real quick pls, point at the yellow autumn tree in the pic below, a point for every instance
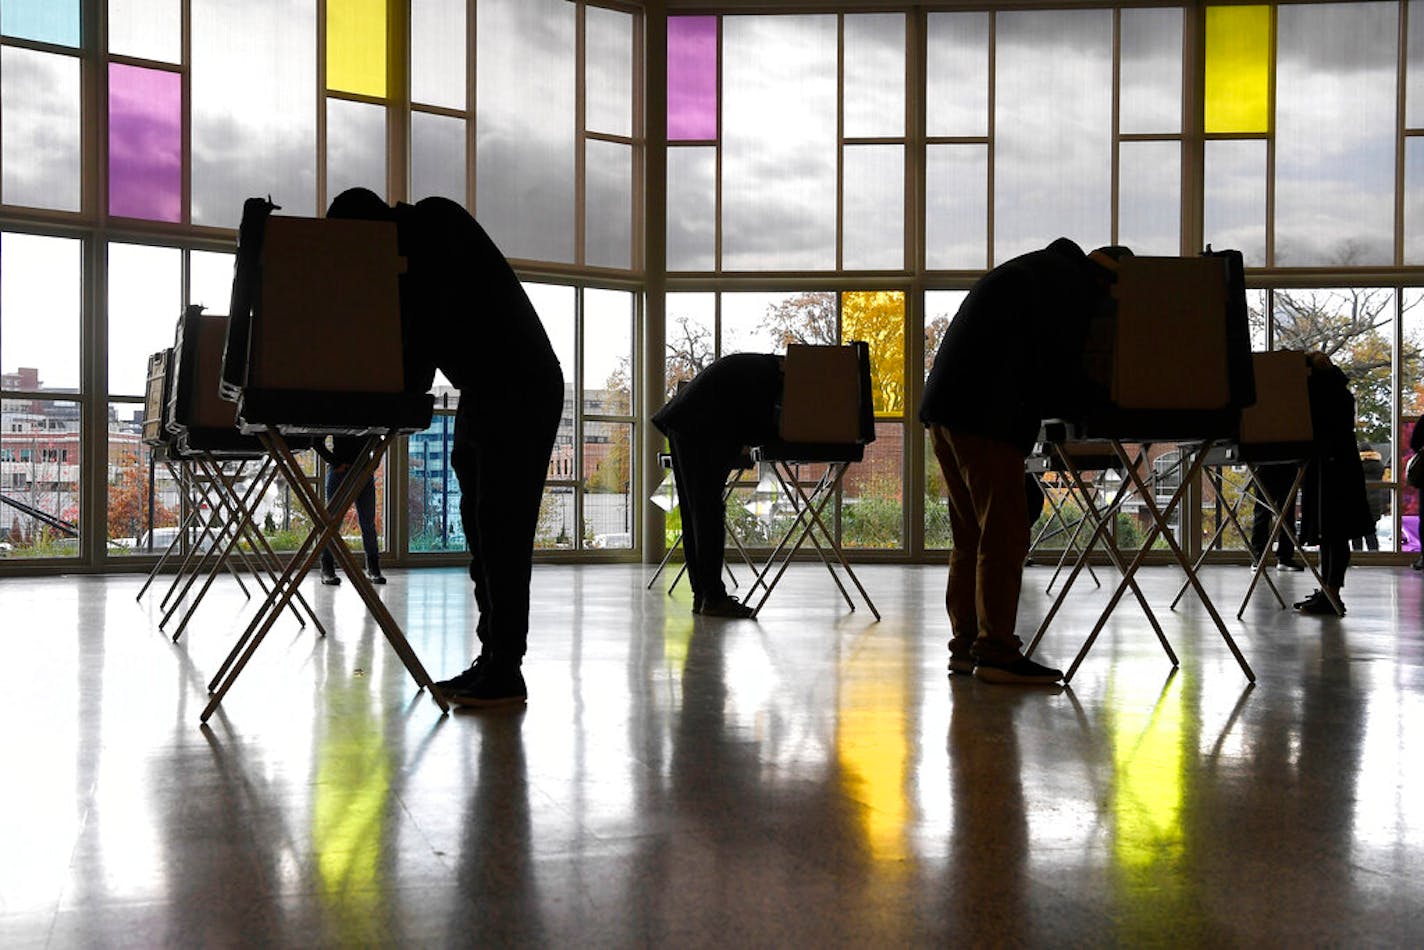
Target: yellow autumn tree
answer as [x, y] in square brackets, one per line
[878, 318]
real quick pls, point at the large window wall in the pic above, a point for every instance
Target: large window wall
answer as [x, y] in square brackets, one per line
[832, 172]
[916, 148]
[131, 131]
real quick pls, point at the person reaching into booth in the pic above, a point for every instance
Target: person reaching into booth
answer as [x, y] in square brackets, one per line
[1010, 358]
[464, 311]
[1335, 507]
[709, 424]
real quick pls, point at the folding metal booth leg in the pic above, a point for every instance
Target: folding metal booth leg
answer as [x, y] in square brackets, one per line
[1160, 526]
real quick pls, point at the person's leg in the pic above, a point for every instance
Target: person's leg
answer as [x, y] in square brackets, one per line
[467, 474]
[366, 518]
[993, 474]
[960, 595]
[1278, 482]
[328, 559]
[701, 470]
[1372, 539]
[513, 464]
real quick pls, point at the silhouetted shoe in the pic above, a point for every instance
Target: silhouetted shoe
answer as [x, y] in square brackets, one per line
[330, 579]
[1289, 564]
[961, 663]
[1418, 564]
[488, 686]
[1020, 671]
[376, 577]
[729, 607]
[1320, 605]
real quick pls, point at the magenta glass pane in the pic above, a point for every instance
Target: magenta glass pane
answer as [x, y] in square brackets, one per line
[145, 143]
[692, 78]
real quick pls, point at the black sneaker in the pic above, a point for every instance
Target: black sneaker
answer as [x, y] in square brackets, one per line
[464, 679]
[1289, 564]
[330, 579]
[376, 577]
[961, 663]
[729, 607]
[1319, 605]
[1418, 564]
[491, 687]
[1019, 671]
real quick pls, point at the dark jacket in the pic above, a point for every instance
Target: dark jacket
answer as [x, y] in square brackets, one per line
[1335, 505]
[463, 309]
[733, 400]
[1013, 353]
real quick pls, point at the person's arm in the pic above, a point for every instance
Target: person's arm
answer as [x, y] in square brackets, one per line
[327, 455]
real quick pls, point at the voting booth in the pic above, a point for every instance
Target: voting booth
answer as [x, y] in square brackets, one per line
[825, 420]
[1172, 364]
[316, 347]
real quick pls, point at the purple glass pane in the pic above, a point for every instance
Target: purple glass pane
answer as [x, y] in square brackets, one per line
[145, 143]
[692, 78]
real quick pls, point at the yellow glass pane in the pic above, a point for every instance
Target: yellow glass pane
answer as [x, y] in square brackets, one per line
[356, 46]
[1238, 64]
[878, 318]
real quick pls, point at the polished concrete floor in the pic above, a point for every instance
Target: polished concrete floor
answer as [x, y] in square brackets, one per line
[811, 779]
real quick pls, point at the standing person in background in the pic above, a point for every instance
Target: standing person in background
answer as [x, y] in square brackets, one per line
[1373, 464]
[343, 452]
[1011, 357]
[1416, 445]
[1335, 507]
[1275, 480]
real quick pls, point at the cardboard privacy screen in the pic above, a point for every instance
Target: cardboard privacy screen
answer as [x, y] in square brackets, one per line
[1171, 344]
[329, 315]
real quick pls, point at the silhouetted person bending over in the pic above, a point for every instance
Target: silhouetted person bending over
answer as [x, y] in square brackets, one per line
[1011, 357]
[709, 424]
[463, 311]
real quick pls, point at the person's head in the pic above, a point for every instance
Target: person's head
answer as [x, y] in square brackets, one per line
[360, 203]
[1105, 261]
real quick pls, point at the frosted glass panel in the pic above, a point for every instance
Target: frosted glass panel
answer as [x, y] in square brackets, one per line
[608, 58]
[1235, 198]
[145, 296]
[437, 52]
[1149, 197]
[691, 207]
[46, 21]
[40, 290]
[257, 136]
[524, 159]
[874, 221]
[356, 46]
[39, 129]
[607, 351]
[437, 157]
[1053, 143]
[145, 143]
[957, 74]
[1335, 134]
[1414, 200]
[875, 75]
[956, 207]
[1238, 64]
[608, 218]
[210, 280]
[1150, 99]
[692, 78]
[1414, 74]
[355, 147]
[149, 29]
[779, 143]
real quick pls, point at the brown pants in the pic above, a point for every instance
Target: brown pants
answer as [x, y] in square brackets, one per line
[988, 516]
